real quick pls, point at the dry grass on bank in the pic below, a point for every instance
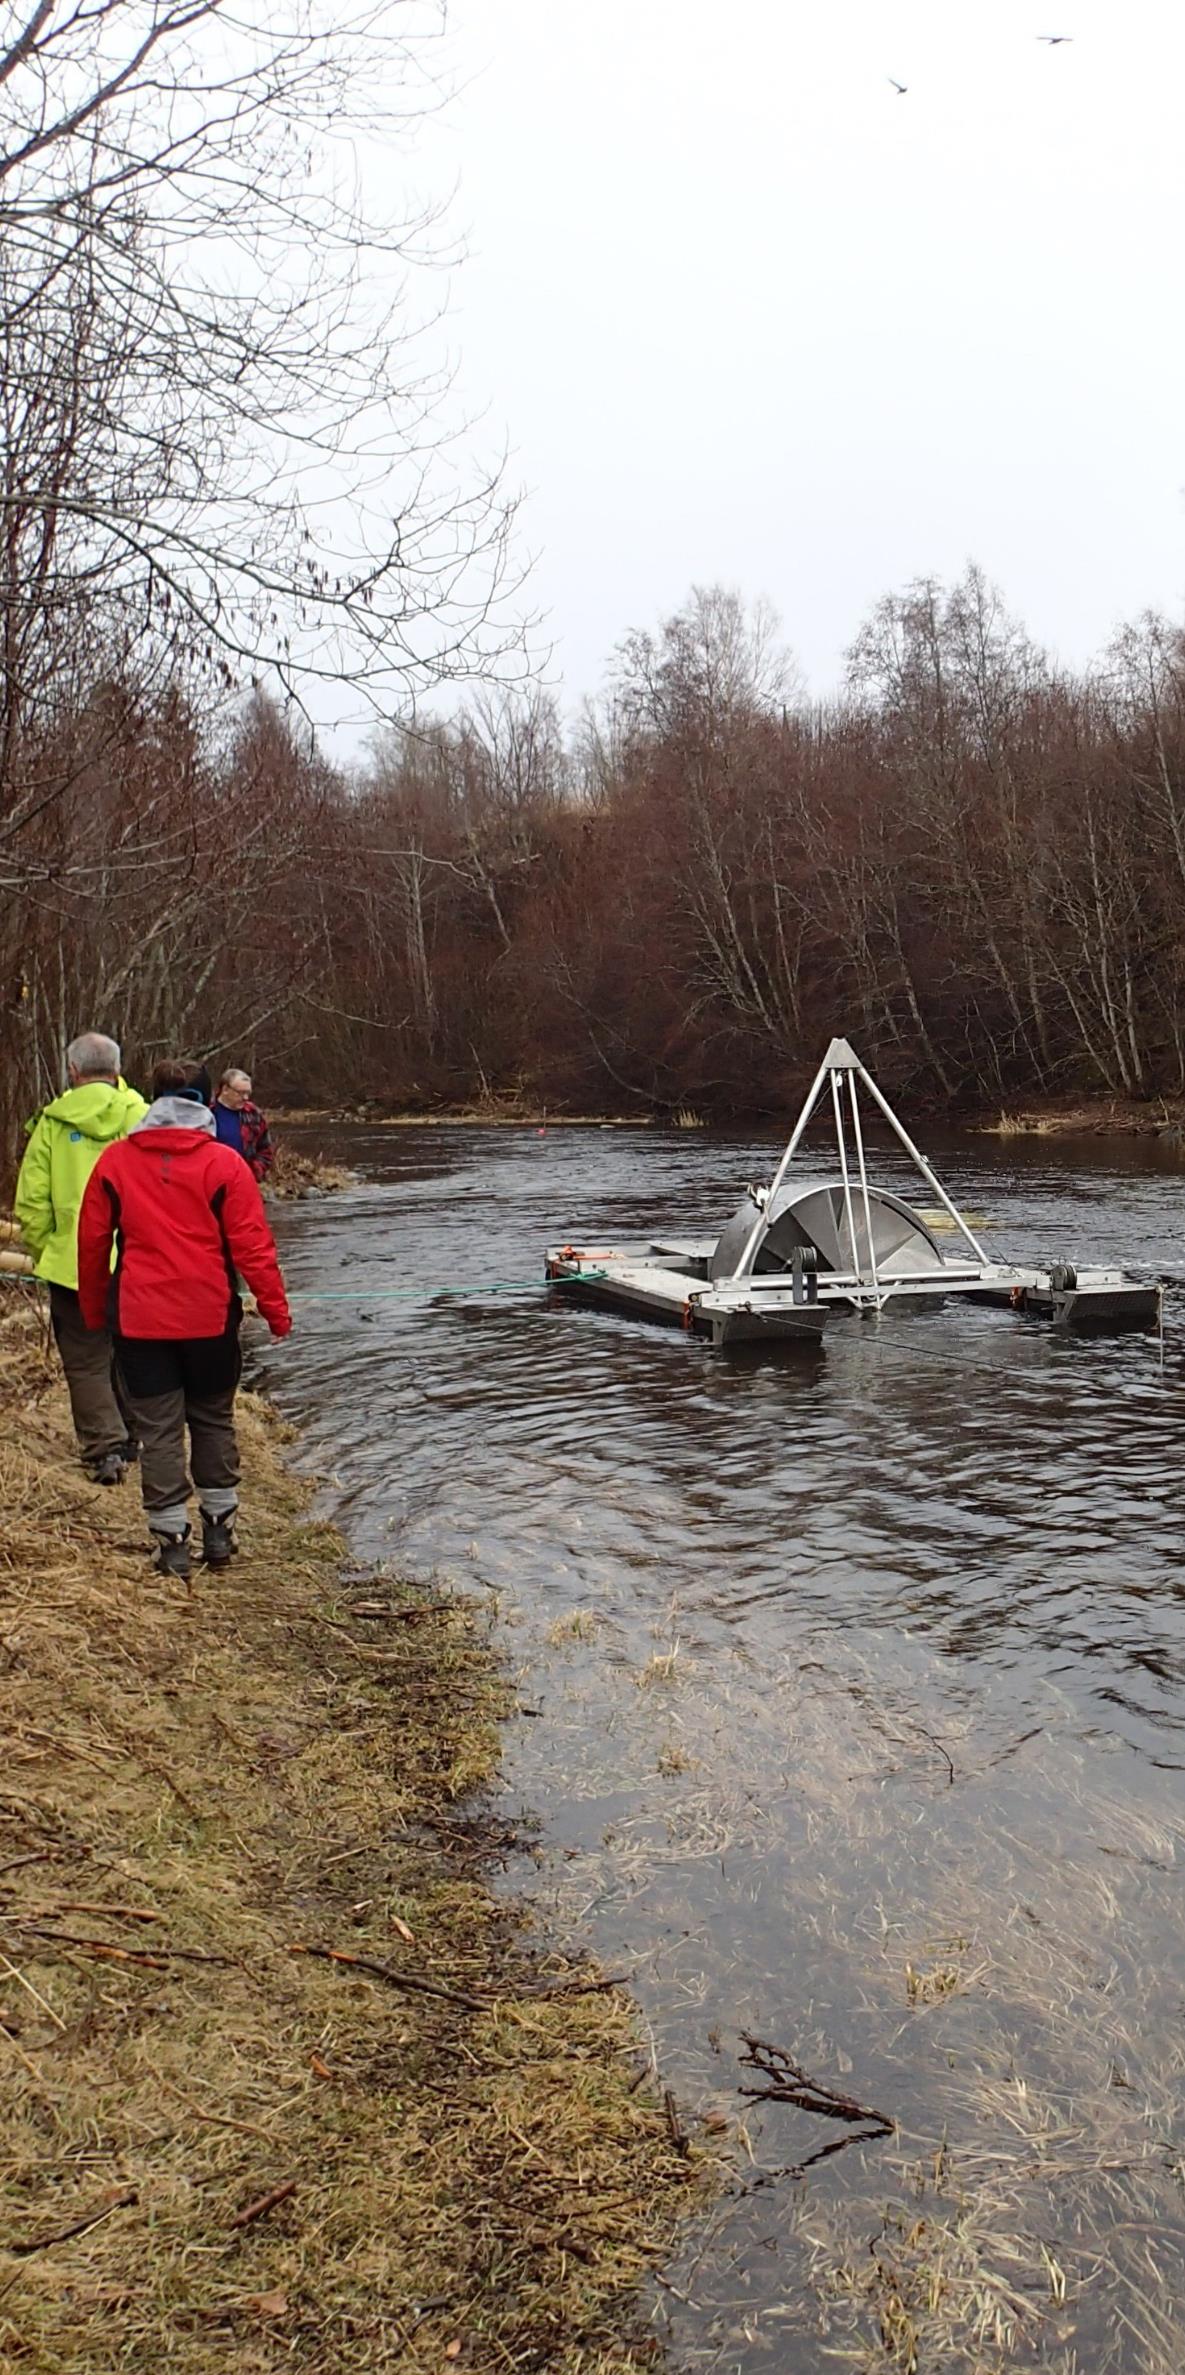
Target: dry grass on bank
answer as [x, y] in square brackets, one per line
[1111, 1117]
[499, 1113]
[294, 1176]
[216, 2148]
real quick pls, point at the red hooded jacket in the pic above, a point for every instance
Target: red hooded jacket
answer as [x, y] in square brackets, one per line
[184, 1214]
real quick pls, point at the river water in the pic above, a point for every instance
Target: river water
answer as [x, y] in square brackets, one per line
[854, 1715]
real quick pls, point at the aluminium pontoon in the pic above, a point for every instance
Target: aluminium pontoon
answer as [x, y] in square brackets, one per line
[805, 1246]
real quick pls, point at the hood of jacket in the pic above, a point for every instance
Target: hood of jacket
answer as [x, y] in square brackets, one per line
[176, 1113]
[98, 1109]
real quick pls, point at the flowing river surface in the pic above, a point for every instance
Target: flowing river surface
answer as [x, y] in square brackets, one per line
[854, 1715]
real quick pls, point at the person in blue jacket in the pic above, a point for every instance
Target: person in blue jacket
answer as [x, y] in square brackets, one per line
[240, 1124]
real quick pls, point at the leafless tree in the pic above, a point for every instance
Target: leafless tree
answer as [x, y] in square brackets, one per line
[225, 459]
[249, 456]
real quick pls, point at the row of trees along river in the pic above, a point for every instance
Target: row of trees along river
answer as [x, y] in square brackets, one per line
[971, 859]
[974, 862]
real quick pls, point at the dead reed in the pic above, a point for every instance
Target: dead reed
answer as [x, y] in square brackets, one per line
[295, 1176]
[990, 1917]
[283, 2086]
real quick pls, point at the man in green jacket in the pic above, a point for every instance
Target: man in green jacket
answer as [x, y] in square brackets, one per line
[65, 1143]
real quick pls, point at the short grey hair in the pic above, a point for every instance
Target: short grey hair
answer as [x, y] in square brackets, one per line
[92, 1055]
[233, 1073]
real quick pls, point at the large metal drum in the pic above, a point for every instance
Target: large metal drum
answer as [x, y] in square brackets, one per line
[813, 1213]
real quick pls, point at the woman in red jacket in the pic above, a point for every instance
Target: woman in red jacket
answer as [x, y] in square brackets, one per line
[185, 1217]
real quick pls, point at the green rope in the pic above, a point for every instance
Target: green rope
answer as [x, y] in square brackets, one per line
[386, 1294]
[398, 1294]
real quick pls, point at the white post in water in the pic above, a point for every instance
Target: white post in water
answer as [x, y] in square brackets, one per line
[859, 1136]
[841, 1143]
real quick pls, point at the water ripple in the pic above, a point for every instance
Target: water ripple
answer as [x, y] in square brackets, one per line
[840, 1655]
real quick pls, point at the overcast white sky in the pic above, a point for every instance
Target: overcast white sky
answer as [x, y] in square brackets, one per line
[745, 314]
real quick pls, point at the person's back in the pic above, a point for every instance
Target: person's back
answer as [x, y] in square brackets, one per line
[65, 1143]
[175, 1197]
[66, 1140]
[185, 1216]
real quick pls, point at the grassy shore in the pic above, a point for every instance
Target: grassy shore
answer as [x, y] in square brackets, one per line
[1100, 1117]
[295, 1176]
[1097, 1117]
[504, 1116]
[283, 2085]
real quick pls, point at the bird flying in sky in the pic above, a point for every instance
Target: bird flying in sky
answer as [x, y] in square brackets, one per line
[900, 87]
[1055, 40]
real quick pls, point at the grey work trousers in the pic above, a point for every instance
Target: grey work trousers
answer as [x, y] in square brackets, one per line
[173, 1384]
[101, 1421]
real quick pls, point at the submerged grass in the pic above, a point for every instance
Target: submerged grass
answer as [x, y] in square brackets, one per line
[992, 1960]
[283, 2085]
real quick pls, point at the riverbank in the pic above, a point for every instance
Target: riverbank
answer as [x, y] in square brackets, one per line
[283, 2083]
[492, 1117]
[1111, 1117]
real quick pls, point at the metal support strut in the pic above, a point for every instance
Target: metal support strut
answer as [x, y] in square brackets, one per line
[841, 1060]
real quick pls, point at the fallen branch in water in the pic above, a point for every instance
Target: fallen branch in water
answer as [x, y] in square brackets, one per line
[675, 2128]
[943, 1751]
[795, 2171]
[787, 2082]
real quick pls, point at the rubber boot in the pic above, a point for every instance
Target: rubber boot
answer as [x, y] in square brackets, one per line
[172, 1555]
[218, 1539]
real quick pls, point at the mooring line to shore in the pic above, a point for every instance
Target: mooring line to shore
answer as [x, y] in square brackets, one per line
[442, 1291]
[385, 1294]
[432, 1287]
[431, 1293]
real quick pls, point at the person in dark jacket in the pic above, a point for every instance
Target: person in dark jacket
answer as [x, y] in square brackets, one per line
[239, 1123]
[185, 1217]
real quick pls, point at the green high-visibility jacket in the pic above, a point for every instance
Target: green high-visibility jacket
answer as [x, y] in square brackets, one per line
[65, 1143]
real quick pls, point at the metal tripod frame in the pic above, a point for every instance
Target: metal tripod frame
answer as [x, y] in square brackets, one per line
[841, 1067]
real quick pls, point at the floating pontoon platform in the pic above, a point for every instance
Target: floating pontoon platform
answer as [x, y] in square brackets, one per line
[803, 1247]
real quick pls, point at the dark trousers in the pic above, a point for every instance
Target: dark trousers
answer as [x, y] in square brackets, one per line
[101, 1422]
[175, 1384]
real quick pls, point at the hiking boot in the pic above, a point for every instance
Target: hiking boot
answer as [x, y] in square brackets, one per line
[172, 1555]
[129, 1452]
[111, 1469]
[218, 1540]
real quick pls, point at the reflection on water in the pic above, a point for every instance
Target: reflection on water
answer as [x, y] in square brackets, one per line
[862, 1721]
